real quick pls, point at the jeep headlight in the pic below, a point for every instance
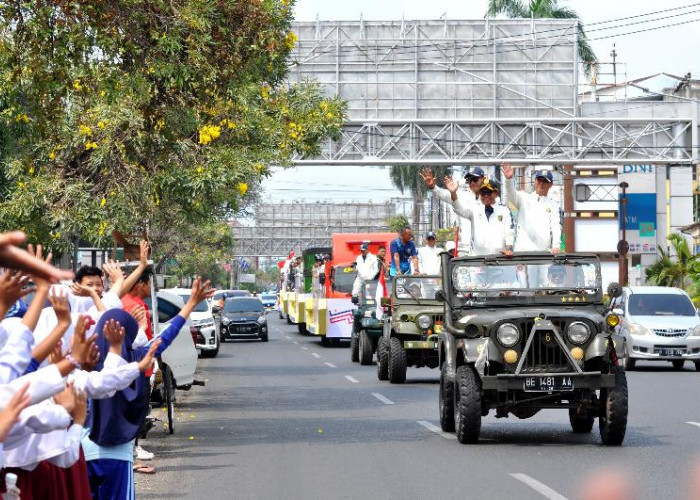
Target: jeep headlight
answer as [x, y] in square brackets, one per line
[695, 332]
[424, 322]
[508, 334]
[225, 320]
[637, 329]
[578, 332]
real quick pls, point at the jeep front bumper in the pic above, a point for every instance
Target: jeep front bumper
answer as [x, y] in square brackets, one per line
[506, 382]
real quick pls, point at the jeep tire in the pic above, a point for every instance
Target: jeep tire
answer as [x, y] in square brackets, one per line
[612, 421]
[382, 359]
[467, 405]
[678, 364]
[397, 362]
[354, 348]
[628, 362]
[697, 366]
[447, 401]
[365, 348]
[581, 422]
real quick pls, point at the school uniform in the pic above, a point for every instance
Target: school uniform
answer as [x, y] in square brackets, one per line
[538, 226]
[492, 226]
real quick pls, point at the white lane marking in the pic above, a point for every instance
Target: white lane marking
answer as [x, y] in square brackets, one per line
[435, 429]
[352, 379]
[696, 424]
[305, 348]
[383, 399]
[315, 355]
[294, 342]
[330, 365]
[540, 488]
[288, 337]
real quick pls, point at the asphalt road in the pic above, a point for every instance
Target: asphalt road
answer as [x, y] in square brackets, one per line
[290, 419]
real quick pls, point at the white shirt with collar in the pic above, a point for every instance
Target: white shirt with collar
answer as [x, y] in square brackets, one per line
[490, 234]
[465, 225]
[367, 267]
[429, 260]
[538, 227]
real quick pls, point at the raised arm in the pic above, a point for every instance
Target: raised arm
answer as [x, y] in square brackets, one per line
[511, 194]
[59, 303]
[131, 280]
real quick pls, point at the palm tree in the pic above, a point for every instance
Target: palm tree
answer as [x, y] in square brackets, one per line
[669, 271]
[546, 9]
[407, 178]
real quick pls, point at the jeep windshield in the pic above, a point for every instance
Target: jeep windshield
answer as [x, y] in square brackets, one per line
[505, 281]
[417, 287]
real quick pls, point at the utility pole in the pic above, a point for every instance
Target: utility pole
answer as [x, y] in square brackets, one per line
[623, 246]
[613, 54]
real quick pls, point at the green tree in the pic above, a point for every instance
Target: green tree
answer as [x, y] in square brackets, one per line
[678, 271]
[122, 113]
[407, 178]
[546, 9]
[196, 250]
[397, 222]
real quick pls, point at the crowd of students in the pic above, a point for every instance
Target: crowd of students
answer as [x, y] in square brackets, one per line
[75, 363]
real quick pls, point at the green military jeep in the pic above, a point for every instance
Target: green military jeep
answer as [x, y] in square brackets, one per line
[366, 328]
[525, 333]
[410, 337]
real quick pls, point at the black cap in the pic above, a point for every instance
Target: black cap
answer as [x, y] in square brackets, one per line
[475, 173]
[430, 235]
[364, 246]
[544, 174]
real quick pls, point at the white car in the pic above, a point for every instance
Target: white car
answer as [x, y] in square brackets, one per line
[658, 324]
[203, 321]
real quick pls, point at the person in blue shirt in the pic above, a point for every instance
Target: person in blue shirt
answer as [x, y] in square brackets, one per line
[403, 253]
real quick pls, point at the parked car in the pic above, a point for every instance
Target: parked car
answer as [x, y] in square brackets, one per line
[207, 338]
[243, 317]
[658, 324]
[179, 361]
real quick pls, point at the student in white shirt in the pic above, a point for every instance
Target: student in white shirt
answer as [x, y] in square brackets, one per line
[367, 266]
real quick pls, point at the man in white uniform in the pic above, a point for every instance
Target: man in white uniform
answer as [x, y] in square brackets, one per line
[492, 225]
[429, 256]
[367, 267]
[473, 182]
[539, 222]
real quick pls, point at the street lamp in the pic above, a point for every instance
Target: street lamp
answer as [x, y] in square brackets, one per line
[623, 246]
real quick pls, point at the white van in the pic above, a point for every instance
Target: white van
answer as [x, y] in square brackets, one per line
[203, 321]
[658, 324]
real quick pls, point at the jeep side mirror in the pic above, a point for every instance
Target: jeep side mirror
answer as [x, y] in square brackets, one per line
[355, 300]
[385, 302]
[614, 290]
[440, 296]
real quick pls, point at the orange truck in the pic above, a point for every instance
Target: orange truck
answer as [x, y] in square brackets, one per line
[329, 310]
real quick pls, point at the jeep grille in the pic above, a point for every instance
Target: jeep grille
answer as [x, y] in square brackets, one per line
[545, 355]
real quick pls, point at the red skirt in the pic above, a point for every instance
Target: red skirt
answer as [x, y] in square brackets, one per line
[49, 482]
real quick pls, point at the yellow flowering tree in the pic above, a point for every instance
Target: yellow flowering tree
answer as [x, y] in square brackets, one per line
[120, 113]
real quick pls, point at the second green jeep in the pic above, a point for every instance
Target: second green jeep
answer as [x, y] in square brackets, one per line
[410, 337]
[367, 328]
